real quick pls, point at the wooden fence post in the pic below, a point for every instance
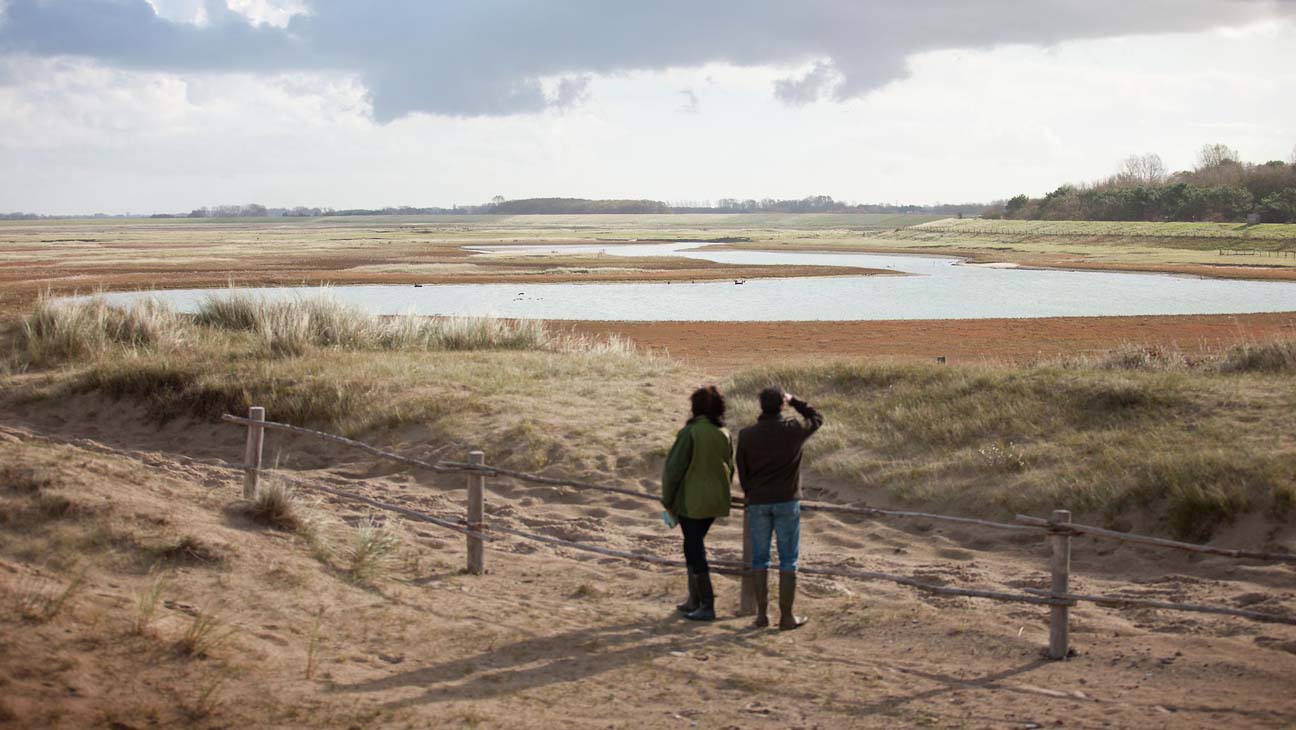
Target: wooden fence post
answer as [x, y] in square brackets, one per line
[476, 513]
[1059, 616]
[747, 594]
[252, 454]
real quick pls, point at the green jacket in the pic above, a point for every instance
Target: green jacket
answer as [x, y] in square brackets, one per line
[699, 468]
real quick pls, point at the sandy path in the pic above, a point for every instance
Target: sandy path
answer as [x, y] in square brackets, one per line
[550, 636]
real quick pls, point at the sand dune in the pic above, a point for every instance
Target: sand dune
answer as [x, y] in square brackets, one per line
[552, 637]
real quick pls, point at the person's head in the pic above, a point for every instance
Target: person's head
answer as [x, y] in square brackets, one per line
[708, 402]
[771, 400]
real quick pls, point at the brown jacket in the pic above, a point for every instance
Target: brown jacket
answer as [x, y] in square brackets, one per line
[769, 454]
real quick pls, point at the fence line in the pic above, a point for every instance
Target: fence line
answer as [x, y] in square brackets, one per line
[254, 423]
[450, 466]
[1167, 605]
[1027, 522]
[1059, 528]
[407, 512]
[549, 481]
[728, 567]
[874, 511]
[1079, 529]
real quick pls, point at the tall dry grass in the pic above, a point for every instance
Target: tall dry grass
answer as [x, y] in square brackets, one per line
[62, 329]
[1160, 442]
[289, 327]
[70, 330]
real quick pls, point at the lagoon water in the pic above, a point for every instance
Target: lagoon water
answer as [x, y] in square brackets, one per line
[936, 288]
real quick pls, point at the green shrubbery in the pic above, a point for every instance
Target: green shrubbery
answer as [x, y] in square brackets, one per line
[1220, 188]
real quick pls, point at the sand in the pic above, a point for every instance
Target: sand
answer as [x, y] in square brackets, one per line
[551, 637]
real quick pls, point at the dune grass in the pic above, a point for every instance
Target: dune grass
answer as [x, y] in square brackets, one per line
[369, 554]
[59, 330]
[1144, 437]
[289, 327]
[75, 330]
[1184, 447]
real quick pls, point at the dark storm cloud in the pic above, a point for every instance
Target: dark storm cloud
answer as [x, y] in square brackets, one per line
[487, 57]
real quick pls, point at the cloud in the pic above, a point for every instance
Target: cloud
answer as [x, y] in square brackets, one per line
[690, 105]
[497, 57]
[814, 85]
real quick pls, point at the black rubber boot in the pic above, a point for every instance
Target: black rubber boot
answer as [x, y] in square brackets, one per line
[760, 588]
[691, 603]
[787, 596]
[706, 599]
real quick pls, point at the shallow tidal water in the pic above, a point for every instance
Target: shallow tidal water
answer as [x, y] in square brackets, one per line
[935, 288]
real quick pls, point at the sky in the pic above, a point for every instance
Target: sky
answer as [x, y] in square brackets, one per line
[167, 105]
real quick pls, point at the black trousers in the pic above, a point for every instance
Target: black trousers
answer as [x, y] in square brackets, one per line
[695, 541]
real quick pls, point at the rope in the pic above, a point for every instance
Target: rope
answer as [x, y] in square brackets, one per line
[550, 481]
[470, 530]
[1145, 603]
[730, 567]
[1027, 522]
[337, 439]
[1078, 529]
[451, 466]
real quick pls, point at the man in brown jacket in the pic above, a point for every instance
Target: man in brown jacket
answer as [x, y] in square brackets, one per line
[769, 469]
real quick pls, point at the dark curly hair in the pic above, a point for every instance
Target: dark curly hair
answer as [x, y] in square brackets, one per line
[707, 401]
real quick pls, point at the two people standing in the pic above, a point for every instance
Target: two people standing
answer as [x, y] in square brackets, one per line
[695, 490]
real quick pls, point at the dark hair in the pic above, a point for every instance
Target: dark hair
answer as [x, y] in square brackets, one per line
[708, 402]
[771, 399]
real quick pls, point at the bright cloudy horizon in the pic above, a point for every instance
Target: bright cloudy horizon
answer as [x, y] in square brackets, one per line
[131, 106]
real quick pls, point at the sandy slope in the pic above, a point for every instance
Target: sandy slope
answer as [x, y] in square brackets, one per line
[554, 638]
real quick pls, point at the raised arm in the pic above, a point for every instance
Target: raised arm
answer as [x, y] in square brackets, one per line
[813, 419]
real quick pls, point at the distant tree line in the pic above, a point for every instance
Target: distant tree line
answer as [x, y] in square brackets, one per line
[18, 216]
[572, 206]
[820, 204]
[569, 206]
[1219, 188]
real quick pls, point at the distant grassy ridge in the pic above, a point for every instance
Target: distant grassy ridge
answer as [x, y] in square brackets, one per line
[1268, 232]
[1138, 437]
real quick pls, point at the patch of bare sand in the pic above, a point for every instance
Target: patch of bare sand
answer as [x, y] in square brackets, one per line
[551, 637]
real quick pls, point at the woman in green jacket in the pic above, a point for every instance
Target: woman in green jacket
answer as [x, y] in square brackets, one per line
[695, 491]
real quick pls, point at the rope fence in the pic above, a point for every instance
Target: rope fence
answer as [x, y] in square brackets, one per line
[1058, 528]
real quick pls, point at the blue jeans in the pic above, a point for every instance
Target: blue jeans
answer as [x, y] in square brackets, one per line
[782, 519]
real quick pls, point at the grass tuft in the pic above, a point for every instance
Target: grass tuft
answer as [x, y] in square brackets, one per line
[146, 607]
[313, 646]
[275, 505]
[188, 550]
[42, 600]
[1141, 357]
[1278, 357]
[369, 554]
[207, 631]
[23, 480]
